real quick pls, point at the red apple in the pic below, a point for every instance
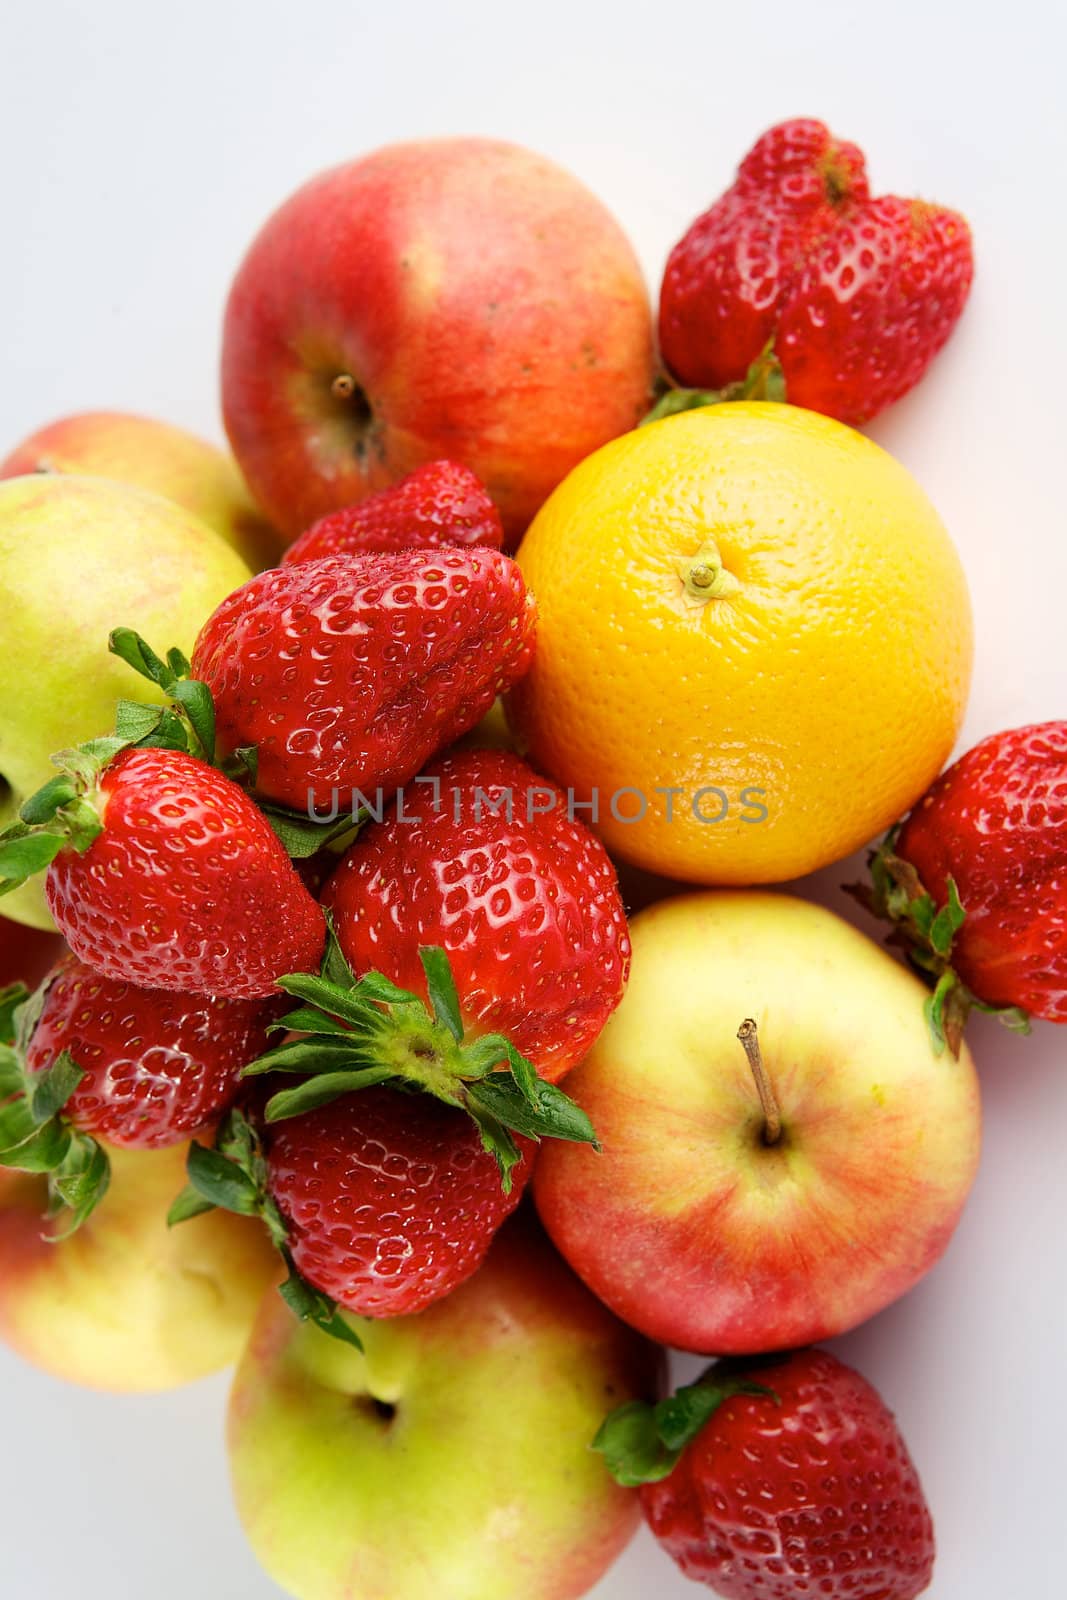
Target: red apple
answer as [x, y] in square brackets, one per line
[454, 297]
[26, 954]
[451, 1458]
[704, 1223]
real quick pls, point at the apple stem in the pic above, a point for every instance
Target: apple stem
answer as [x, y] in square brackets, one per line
[343, 386]
[772, 1116]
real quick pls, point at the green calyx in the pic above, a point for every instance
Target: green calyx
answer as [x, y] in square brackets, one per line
[926, 932]
[62, 815]
[188, 724]
[643, 1443]
[35, 1136]
[764, 380]
[353, 1033]
[232, 1176]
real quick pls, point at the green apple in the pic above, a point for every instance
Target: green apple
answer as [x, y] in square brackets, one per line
[728, 1222]
[158, 456]
[78, 557]
[127, 1304]
[453, 1457]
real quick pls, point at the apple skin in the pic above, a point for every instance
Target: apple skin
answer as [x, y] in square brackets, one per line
[26, 954]
[126, 1304]
[78, 557]
[688, 1225]
[486, 304]
[158, 456]
[483, 1483]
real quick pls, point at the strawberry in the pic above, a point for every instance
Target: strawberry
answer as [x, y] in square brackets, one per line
[99, 1059]
[857, 294]
[439, 503]
[389, 1198]
[380, 1198]
[163, 873]
[348, 673]
[525, 905]
[976, 882]
[777, 1481]
[157, 1066]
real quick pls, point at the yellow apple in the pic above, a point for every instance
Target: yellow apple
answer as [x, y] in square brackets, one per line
[154, 455]
[127, 1304]
[78, 557]
[699, 1227]
[452, 1458]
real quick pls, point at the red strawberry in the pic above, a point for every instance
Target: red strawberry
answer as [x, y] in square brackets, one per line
[347, 674]
[440, 503]
[527, 908]
[858, 294]
[390, 1199]
[174, 880]
[779, 1481]
[976, 879]
[158, 1067]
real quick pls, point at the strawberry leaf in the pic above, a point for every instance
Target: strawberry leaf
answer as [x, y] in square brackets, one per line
[631, 1446]
[80, 1182]
[52, 1088]
[641, 1443]
[12, 998]
[497, 1142]
[311, 1305]
[321, 1090]
[441, 988]
[195, 700]
[222, 1181]
[190, 1203]
[23, 857]
[131, 648]
[554, 1115]
[303, 837]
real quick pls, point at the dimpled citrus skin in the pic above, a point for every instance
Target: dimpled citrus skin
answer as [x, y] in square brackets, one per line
[187, 887]
[528, 911]
[390, 1198]
[440, 503]
[814, 1496]
[158, 1067]
[833, 679]
[349, 673]
[996, 822]
[859, 294]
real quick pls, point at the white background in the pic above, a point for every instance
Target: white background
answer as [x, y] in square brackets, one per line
[141, 146]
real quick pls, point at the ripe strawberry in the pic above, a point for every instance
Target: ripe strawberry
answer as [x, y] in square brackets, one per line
[158, 1067]
[976, 880]
[440, 503]
[164, 873]
[858, 294]
[390, 1199]
[526, 906]
[777, 1481]
[347, 674]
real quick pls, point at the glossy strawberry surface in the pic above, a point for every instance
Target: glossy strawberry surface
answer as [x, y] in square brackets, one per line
[858, 293]
[808, 1496]
[187, 888]
[159, 1067]
[348, 674]
[996, 823]
[390, 1198]
[527, 907]
[442, 503]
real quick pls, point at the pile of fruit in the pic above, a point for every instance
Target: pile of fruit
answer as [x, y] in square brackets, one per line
[334, 1037]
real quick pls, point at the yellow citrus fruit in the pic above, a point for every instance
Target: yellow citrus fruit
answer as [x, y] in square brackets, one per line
[757, 609]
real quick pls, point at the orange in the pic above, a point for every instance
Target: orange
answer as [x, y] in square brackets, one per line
[757, 609]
